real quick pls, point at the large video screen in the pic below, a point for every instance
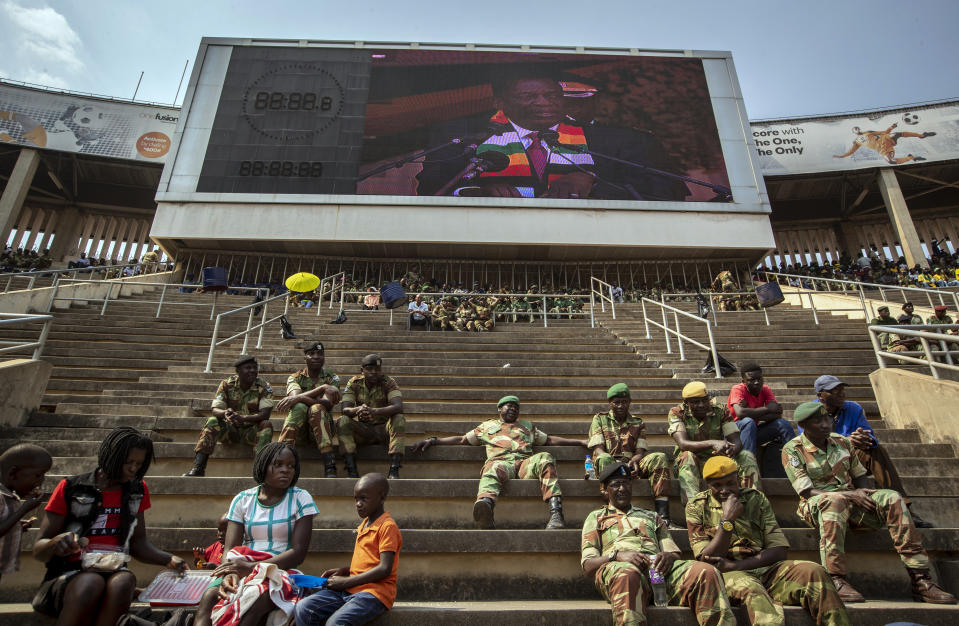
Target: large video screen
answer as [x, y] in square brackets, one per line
[457, 123]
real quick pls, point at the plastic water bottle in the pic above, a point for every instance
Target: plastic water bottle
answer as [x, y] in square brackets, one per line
[590, 471]
[660, 597]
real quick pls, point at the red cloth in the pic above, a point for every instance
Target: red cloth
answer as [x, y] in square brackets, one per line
[266, 578]
[739, 395]
[213, 553]
[105, 530]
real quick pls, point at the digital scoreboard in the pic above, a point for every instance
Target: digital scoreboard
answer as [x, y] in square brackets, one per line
[289, 121]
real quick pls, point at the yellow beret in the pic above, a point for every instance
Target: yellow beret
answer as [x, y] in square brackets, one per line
[719, 466]
[695, 389]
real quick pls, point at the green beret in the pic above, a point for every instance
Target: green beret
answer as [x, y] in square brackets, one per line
[808, 409]
[617, 390]
[506, 399]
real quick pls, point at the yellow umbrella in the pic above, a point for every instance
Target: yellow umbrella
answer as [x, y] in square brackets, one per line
[302, 282]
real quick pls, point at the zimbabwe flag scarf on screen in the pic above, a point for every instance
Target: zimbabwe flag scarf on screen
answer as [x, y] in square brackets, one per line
[519, 173]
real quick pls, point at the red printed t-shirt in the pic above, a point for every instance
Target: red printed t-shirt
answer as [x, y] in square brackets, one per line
[739, 395]
[382, 536]
[213, 553]
[105, 530]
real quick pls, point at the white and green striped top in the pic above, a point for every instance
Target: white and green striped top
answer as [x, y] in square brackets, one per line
[269, 528]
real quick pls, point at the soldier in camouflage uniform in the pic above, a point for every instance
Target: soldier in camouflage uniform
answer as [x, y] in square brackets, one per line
[372, 413]
[311, 395]
[701, 428]
[621, 542]
[509, 445]
[831, 482]
[464, 316]
[735, 530]
[444, 314]
[241, 413]
[724, 283]
[940, 317]
[483, 314]
[618, 435]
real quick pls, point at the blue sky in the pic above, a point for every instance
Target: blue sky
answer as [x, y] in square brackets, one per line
[793, 58]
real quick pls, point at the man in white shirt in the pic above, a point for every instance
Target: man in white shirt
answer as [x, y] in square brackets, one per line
[419, 312]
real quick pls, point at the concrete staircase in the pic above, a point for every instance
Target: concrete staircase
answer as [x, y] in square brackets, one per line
[129, 369]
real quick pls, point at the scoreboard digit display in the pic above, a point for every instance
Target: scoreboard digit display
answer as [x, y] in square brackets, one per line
[289, 121]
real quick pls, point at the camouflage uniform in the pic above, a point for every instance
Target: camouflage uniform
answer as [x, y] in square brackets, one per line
[689, 465]
[443, 317]
[509, 454]
[464, 317]
[621, 440]
[833, 470]
[932, 319]
[322, 428]
[229, 396]
[627, 588]
[379, 429]
[763, 589]
[724, 282]
[483, 320]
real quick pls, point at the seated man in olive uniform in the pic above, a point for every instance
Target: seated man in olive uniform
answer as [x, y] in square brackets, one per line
[311, 394]
[372, 414]
[702, 427]
[622, 542]
[735, 529]
[618, 435]
[833, 497]
[241, 413]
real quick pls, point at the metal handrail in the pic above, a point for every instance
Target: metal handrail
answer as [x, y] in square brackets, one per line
[334, 282]
[33, 275]
[925, 334]
[249, 326]
[858, 286]
[603, 297]
[20, 318]
[678, 333]
[542, 296]
[108, 297]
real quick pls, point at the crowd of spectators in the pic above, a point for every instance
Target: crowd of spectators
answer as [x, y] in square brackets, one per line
[21, 260]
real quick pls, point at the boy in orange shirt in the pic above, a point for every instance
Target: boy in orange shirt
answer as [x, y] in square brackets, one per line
[359, 593]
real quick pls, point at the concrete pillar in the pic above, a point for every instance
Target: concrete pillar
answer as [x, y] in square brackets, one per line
[23, 225]
[108, 238]
[900, 218]
[98, 232]
[44, 241]
[86, 228]
[11, 202]
[131, 231]
[135, 242]
[39, 223]
[69, 227]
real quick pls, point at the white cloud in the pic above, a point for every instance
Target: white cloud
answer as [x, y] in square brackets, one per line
[44, 45]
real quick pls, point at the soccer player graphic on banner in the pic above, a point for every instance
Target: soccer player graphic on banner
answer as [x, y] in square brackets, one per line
[884, 142]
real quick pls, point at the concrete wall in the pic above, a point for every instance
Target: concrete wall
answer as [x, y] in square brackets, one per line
[912, 400]
[38, 300]
[24, 383]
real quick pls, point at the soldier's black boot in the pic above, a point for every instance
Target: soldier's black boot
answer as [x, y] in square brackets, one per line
[918, 521]
[483, 513]
[924, 590]
[395, 464]
[329, 464]
[199, 465]
[662, 508]
[556, 513]
[350, 461]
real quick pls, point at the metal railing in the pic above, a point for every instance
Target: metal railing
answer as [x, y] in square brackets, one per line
[12, 319]
[932, 296]
[542, 297]
[596, 288]
[109, 296]
[680, 337]
[329, 286]
[249, 326]
[7, 279]
[801, 293]
[926, 334]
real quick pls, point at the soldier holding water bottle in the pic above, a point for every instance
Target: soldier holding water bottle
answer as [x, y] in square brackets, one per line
[630, 556]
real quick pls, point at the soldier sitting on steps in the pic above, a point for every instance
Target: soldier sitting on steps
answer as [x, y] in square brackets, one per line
[372, 414]
[831, 482]
[241, 413]
[311, 394]
[621, 543]
[618, 435]
[509, 445]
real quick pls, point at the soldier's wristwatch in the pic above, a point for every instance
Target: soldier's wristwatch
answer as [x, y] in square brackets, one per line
[727, 525]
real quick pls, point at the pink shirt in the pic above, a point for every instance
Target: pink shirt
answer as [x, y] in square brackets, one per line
[739, 395]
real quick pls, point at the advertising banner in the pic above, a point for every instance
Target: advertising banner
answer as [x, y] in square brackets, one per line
[62, 121]
[455, 123]
[871, 140]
